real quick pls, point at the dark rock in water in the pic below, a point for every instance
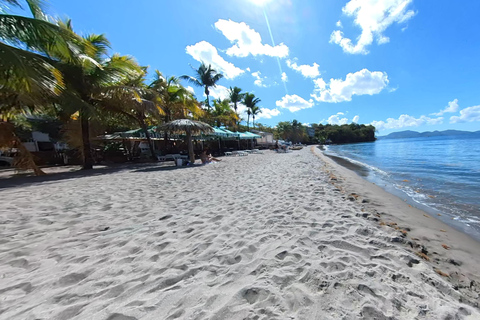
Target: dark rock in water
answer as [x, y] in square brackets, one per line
[424, 250]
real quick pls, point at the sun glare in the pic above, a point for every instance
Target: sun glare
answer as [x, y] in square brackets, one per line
[260, 3]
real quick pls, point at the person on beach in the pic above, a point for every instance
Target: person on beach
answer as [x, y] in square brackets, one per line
[208, 158]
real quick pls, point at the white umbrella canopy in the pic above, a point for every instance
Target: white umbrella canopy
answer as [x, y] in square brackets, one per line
[189, 127]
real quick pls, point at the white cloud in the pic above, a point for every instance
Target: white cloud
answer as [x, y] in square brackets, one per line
[339, 24]
[284, 77]
[335, 119]
[294, 103]
[373, 17]
[306, 70]
[219, 92]
[355, 119]
[469, 114]
[359, 83]
[452, 107]
[259, 80]
[248, 69]
[247, 41]
[406, 121]
[206, 52]
[268, 113]
[190, 89]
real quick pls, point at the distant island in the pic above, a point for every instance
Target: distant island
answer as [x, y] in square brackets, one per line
[415, 134]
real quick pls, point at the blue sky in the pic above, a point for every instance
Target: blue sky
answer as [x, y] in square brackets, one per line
[397, 64]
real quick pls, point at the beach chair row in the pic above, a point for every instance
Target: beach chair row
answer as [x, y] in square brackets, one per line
[242, 152]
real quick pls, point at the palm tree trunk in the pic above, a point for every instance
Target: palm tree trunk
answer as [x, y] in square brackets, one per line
[235, 107]
[207, 93]
[149, 140]
[190, 147]
[253, 122]
[87, 153]
[248, 123]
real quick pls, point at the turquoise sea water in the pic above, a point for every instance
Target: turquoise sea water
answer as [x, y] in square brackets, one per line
[437, 174]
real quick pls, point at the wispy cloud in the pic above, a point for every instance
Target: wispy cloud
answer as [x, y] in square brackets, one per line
[373, 17]
[452, 107]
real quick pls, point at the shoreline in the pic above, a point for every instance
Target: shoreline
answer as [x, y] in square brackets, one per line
[364, 173]
[425, 232]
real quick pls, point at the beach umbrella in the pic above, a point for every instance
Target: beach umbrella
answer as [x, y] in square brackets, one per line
[189, 127]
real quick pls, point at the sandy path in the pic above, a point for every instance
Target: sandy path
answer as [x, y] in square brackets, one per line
[258, 237]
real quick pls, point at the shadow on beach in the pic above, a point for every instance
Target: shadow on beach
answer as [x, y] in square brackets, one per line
[10, 179]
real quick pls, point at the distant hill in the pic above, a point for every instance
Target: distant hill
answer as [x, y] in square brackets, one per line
[415, 134]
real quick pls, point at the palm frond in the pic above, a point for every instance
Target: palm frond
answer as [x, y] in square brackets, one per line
[27, 72]
[37, 35]
[192, 80]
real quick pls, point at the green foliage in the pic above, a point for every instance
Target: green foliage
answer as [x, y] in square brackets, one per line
[205, 76]
[346, 133]
[292, 131]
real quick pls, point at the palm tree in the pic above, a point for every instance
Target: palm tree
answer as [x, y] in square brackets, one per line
[28, 77]
[206, 77]
[137, 102]
[235, 96]
[27, 73]
[176, 101]
[90, 79]
[254, 111]
[250, 101]
[222, 113]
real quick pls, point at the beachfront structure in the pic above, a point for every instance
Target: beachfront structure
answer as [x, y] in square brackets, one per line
[266, 138]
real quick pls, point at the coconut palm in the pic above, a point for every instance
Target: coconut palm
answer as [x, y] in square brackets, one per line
[177, 102]
[27, 72]
[254, 111]
[206, 77]
[137, 102]
[222, 114]
[235, 96]
[189, 127]
[250, 101]
[90, 79]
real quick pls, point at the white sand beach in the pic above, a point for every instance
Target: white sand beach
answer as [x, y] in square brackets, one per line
[267, 236]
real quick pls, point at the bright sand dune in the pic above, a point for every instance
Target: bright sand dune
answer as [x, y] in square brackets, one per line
[259, 237]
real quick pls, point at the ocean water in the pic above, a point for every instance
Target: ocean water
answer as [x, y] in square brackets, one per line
[435, 174]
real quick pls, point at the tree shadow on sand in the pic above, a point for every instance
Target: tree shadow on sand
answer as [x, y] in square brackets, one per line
[19, 180]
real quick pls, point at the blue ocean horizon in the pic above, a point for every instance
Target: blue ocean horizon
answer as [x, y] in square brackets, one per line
[440, 175]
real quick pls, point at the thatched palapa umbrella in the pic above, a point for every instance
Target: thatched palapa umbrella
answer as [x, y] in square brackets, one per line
[189, 127]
